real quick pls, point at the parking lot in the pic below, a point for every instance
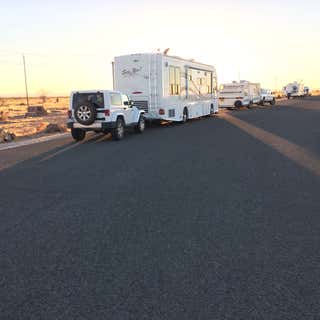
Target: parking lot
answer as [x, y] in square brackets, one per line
[214, 219]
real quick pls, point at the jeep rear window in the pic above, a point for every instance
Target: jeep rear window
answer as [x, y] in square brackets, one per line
[84, 98]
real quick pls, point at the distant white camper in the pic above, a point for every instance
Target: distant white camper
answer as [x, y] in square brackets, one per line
[167, 87]
[307, 92]
[239, 94]
[294, 90]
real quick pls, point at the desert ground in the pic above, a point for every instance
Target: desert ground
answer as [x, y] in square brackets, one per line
[15, 109]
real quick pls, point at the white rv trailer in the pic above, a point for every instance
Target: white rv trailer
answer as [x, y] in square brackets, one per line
[294, 89]
[167, 87]
[239, 94]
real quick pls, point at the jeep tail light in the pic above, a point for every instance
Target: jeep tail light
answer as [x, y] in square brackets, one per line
[107, 113]
[69, 114]
[162, 112]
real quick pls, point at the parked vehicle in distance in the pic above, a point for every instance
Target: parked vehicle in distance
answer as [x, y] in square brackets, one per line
[239, 94]
[103, 111]
[294, 90]
[267, 96]
[167, 87]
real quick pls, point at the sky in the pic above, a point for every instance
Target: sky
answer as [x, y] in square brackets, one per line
[70, 44]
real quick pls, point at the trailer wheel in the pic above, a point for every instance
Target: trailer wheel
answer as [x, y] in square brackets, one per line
[262, 102]
[185, 116]
[250, 104]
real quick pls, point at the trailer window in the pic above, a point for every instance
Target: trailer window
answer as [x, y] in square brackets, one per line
[172, 79]
[205, 84]
[178, 81]
[175, 81]
[209, 82]
[214, 83]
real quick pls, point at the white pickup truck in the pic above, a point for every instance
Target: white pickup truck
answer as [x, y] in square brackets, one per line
[267, 96]
[103, 111]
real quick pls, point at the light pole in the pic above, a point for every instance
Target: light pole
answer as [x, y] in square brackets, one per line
[25, 78]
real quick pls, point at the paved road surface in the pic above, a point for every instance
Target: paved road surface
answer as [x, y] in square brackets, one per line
[216, 219]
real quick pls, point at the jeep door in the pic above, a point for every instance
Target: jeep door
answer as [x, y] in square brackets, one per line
[127, 109]
[116, 102]
[117, 106]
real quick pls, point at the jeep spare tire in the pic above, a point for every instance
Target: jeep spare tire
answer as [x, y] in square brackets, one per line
[85, 114]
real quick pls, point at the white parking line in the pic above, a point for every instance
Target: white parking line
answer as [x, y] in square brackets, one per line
[12, 145]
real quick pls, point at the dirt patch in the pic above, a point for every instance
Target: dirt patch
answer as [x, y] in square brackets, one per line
[15, 109]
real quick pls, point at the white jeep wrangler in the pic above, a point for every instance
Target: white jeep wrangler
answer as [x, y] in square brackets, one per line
[267, 96]
[103, 111]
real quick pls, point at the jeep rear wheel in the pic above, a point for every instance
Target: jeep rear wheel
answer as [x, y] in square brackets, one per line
[78, 134]
[118, 131]
[273, 102]
[85, 114]
[139, 128]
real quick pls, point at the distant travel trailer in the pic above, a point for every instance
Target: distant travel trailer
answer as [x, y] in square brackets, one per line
[239, 94]
[167, 87]
[294, 90]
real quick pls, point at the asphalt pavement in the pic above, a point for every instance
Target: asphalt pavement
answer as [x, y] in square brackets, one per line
[197, 221]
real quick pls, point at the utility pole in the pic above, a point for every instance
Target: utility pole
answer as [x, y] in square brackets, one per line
[25, 79]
